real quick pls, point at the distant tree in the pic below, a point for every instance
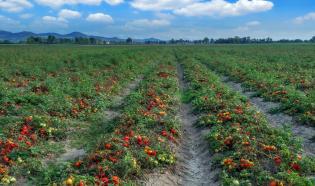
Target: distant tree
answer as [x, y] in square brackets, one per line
[81, 40]
[92, 41]
[172, 41]
[129, 40]
[30, 40]
[34, 40]
[269, 40]
[5, 42]
[198, 41]
[206, 40]
[51, 39]
[312, 39]
[298, 41]
[38, 40]
[65, 40]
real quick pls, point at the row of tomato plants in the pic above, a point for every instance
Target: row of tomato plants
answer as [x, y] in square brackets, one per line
[280, 62]
[265, 83]
[32, 122]
[139, 139]
[246, 148]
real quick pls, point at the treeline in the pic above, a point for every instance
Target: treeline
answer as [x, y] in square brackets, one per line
[239, 40]
[54, 40]
[205, 41]
[5, 42]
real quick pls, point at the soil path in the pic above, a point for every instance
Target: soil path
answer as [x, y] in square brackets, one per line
[194, 155]
[193, 166]
[306, 133]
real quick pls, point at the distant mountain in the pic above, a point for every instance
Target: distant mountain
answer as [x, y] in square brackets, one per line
[50, 34]
[22, 36]
[75, 34]
[4, 35]
[151, 40]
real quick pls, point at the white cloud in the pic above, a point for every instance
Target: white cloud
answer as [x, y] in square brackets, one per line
[114, 2]
[26, 16]
[69, 14]
[59, 3]
[223, 8]
[57, 21]
[62, 19]
[53, 19]
[303, 19]
[14, 5]
[253, 23]
[6, 21]
[9, 24]
[157, 5]
[204, 8]
[164, 16]
[140, 23]
[100, 17]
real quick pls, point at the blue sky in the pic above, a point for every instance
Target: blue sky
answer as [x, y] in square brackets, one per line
[165, 19]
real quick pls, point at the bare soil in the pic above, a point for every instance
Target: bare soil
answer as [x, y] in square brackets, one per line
[193, 166]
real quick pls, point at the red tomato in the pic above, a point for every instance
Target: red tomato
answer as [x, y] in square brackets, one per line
[108, 146]
[115, 180]
[273, 183]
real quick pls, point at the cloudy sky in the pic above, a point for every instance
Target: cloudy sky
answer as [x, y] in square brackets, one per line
[165, 19]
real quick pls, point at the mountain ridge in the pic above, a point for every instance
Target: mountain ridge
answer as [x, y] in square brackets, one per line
[23, 35]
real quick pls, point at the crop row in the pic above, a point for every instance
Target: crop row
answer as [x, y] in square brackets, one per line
[38, 109]
[139, 139]
[245, 147]
[291, 84]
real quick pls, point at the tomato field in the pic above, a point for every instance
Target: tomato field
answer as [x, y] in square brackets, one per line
[157, 115]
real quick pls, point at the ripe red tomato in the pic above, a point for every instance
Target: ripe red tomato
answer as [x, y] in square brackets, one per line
[173, 131]
[108, 146]
[295, 166]
[273, 183]
[164, 133]
[115, 180]
[81, 183]
[78, 163]
[277, 160]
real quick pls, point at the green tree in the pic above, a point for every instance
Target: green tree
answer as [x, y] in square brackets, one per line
[92, 41]
[51, 39]
[206, 40]
[129, 40]
[34, 40]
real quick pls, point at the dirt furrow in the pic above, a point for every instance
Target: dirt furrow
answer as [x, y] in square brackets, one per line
[279, 120]
[193, 166]
[194, 155]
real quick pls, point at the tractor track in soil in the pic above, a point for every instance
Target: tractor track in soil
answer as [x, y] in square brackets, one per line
[278, 120]
[193, 167]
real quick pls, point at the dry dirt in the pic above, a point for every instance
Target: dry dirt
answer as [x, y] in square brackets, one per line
[193, 166]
